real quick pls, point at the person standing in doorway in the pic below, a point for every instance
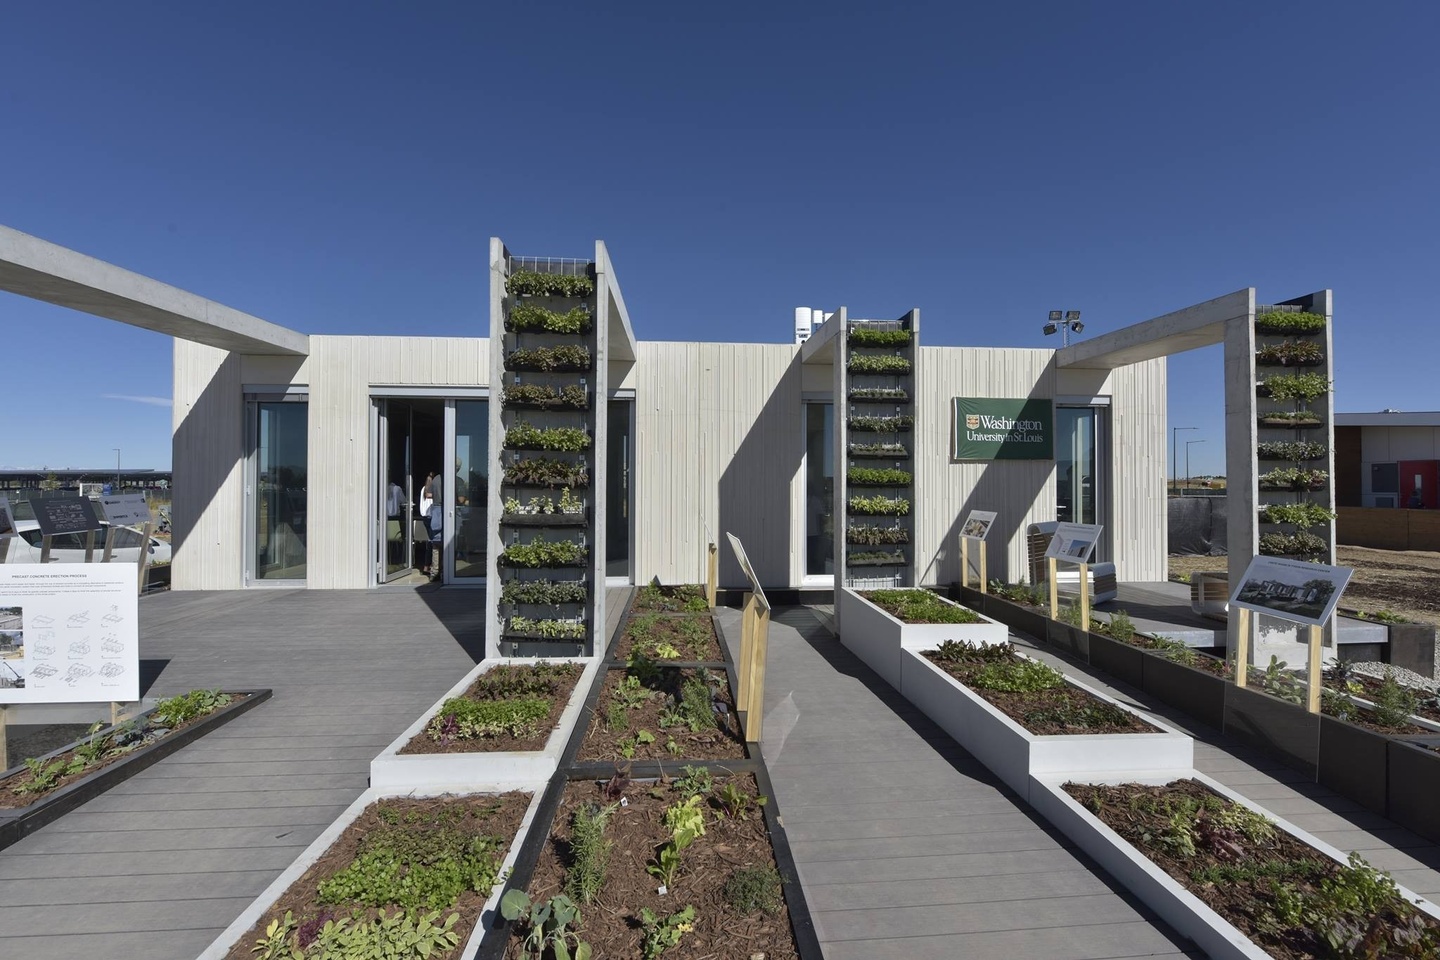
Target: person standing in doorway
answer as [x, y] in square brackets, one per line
[428, 509]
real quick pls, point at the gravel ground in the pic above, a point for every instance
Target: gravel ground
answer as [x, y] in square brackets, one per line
[1404, 582]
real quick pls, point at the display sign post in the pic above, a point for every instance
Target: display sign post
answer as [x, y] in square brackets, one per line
[1072, 543]
[754, 646]
[1303, 593]
[977, 528]
[129, 509]
[712, 572]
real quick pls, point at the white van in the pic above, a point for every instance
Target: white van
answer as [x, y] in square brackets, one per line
[25, 546]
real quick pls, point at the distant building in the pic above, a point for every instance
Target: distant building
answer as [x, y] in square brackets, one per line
[1387, 459]
[70, 480]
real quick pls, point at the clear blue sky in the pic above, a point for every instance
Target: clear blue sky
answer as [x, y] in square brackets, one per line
[338, 168]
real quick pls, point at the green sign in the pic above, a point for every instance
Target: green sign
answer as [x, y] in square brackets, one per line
[997, 429]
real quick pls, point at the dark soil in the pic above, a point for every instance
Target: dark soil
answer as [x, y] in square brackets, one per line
[691, 635]
[1139, 814]
[559, 695]
[1201, 661]
[681, 598]
[611, 924]
[488, 815]
[1058, 710]
[715, 743]
[10, 800]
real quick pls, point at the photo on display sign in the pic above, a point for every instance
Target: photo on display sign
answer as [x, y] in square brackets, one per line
[12, 648]
[977, 524]
[1292, 589]
[1074, 542]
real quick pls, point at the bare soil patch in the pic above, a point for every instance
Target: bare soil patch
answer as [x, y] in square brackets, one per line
[611, 924]
[1404, 582]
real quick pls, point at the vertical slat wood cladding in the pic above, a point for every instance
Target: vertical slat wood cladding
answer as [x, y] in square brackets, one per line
[1137, 470]
[719, 439]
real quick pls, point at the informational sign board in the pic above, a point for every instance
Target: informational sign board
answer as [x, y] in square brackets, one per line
[988, 428]
[126, 509]
[57, 515]
[73, 633]
[745, 567]
[1292, 589]
[1074, 542]
[977, 524]
[7, 519]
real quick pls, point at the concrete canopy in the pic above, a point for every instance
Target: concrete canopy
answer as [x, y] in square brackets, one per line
[42, 270]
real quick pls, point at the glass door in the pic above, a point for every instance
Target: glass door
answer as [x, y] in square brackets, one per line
[1080, 491]
[619, 506]
[277, 549]
[395, 509]
[468, 492]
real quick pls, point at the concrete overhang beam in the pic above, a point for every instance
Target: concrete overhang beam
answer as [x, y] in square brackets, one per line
[622, 345]
[1199, 326]
[820, 348]
[44, 271]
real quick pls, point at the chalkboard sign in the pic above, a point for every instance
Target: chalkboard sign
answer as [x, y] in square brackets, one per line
[56, 515]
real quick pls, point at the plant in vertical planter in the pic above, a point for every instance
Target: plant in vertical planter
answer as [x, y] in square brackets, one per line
[564, 358]
[531, 283]
[1295, 451]
[1303, 387]
[1297, 514]
[882, 424]
[1291, 353]
[546, 397]
[1288, 324]
[868, 337]
[882, 364]
[530, 317]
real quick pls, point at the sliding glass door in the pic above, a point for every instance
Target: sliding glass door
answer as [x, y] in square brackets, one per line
[279, 431]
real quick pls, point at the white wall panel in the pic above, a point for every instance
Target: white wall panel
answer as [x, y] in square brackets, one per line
[207, 499]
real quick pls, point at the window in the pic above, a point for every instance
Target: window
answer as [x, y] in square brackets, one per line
[1384, 478]
[819, 489]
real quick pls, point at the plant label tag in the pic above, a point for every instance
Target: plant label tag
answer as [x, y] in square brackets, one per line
[663, 890]
[624, 801]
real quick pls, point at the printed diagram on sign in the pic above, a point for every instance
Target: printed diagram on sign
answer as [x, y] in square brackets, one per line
[45, 636]
[80, 648]
[78, 619]
[77, 672]
[42, 621]
[111, 670]
[111, 618]
[110, 647]
[44, 650]
[44, 670]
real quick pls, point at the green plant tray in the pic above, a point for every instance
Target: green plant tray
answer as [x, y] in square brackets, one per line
[559, 407]
[567, 565]
[1292, 424]
[543, 519]
[877, 563]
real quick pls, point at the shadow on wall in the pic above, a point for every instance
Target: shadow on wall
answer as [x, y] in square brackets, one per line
[755, 488]
[208, 445]
[1011, 488]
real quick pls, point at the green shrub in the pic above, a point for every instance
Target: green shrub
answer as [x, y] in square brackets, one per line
[870, 337]
[1395, 703]
[522, 435]
[697, 706]
[566, 357]
[919, 606]
[877, 477]
[174, 711]
[536, 284]
[533, 317]
[461, 718]
[1288, 323]
[879, 364]
[1121, 627]
[568, 397]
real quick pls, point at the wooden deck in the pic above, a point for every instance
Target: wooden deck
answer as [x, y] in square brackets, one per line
[906, 846]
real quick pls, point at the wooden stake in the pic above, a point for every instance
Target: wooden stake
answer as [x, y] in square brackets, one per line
[984, 578]
[1312, 701]
[45, 548]
[1054, 567]
[755, 710]
[90, 546]
[144, 562]
[712, 573]
[1084, 596]
[1242, 645]
[747, 639]
[964, 561]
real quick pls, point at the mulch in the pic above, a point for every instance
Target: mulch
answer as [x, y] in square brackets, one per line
[10, 800]
[716, 743]
[1022, 706]
[693, 635]
[611, 924]
[504, 743]
[491, 815]
[1129, 809]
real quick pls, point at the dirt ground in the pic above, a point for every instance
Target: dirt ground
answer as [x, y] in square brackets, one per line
[1404, 582]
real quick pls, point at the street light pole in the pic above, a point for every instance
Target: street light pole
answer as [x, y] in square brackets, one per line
[1187, 462]
[1175, 455]
[117, 470]
[1063, 322]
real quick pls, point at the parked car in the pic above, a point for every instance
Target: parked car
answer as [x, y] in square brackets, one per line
[26, 546]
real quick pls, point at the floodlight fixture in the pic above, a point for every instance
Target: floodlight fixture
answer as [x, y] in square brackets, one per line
[1050, 328]
[1054, 316]
[1064, 322]
[1072, 316]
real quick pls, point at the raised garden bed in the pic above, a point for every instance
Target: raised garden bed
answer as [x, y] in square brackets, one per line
[437, 860]
[691, 638]
[503, 739]
[679, 598]
[1016, 754]
[652, 712]
[117, 752]
[1233, 879]
[877, 636]
[722, 889]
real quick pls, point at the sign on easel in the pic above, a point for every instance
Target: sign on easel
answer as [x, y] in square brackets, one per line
[977, 528]
[1303, 593]
[754, 643]
[75, 634]
[1072, 543]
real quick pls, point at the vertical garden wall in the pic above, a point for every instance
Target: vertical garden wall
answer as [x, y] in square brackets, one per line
[876, 387]
[547, 411]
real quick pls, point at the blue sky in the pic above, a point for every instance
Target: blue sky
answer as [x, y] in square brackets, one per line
[338, 168]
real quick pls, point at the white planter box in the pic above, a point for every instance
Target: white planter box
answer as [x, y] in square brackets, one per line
[479, 770]
[252, 914]
[877, 638]
[1016, 755]
[1163, 894]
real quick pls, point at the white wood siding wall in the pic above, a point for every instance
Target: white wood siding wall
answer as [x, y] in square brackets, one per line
[1138, 454]
[210, 437]
[719, 439]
